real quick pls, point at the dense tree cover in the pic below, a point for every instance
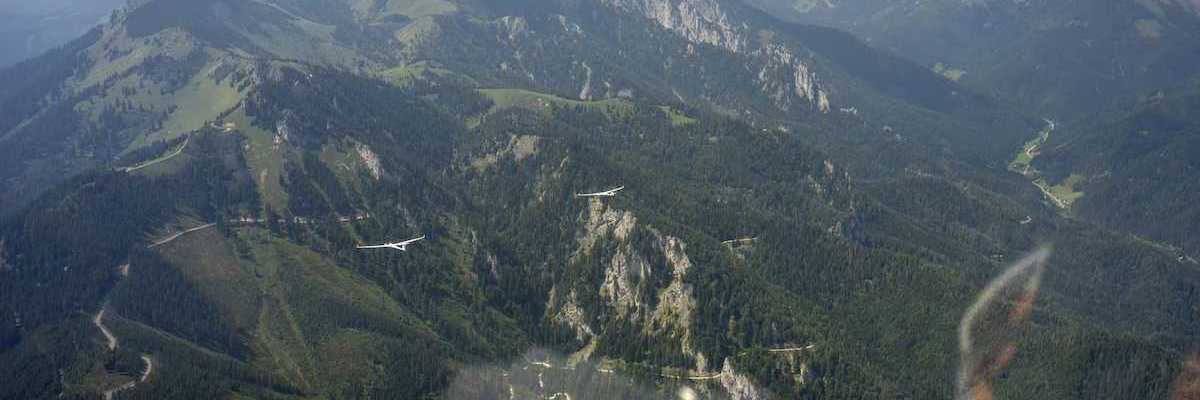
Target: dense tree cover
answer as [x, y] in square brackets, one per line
[1137, 169]
[61, 255]
[628, 61]
[185, 313]
[875, 272]
[187, 370]
[1042, 56]
[868, 289]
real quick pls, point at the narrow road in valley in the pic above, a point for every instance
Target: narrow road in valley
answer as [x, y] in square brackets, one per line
[171, 238]
[1026, 166]
[1050, 195]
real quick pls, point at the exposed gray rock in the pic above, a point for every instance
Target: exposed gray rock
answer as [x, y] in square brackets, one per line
[570, 314]
[676, 306]
[370, 160]
[624, 281]
[700, 21]
[739, 387]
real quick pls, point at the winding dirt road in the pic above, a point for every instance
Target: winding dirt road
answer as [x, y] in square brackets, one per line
[108, 394]
[99, 321]
[171, 238]
[111, 341]
[177, 152]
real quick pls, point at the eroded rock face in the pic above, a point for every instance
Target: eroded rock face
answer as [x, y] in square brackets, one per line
[673, 314]
[783, 77]
[519, 147]
[676, 306]
[601, 222]
[513, 28]
[523, 146]
[739, 387]
[570, 314]
[787, 79]
[627, 279]
[626, 272]
[624, 280]
[283, 129]
[370, 160]
[700, 21]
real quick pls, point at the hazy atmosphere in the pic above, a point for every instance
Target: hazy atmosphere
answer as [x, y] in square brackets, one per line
[600, 199]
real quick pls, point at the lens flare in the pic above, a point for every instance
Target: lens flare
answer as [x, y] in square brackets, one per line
[989, 329]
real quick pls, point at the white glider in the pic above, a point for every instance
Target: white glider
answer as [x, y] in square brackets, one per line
[606, 193]
[402, 246]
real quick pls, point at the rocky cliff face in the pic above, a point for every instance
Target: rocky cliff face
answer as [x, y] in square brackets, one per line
[570, 314]
[786, 79]
[1046, 54]
[739, 387]
[783, 77]
[370, 160]
[673, 315]
[700, 21]
[628, 282]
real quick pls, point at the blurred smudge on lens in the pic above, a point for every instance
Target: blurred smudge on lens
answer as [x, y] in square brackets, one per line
[990, 328]
[1187, 386]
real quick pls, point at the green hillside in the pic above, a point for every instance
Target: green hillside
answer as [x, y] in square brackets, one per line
[803, 215]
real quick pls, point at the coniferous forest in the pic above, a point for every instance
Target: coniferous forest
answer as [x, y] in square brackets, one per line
[192, 192]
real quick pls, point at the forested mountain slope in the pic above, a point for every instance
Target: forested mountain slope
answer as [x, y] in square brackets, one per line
[1059, 59]
[798, 222]
[1136, 170]
[1111, 78]
[165, 68]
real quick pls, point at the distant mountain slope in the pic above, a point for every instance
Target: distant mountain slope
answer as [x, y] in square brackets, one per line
[1112, 77]
[27, 29]
[178, 53]
[1062, 59]
[1138, 169]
